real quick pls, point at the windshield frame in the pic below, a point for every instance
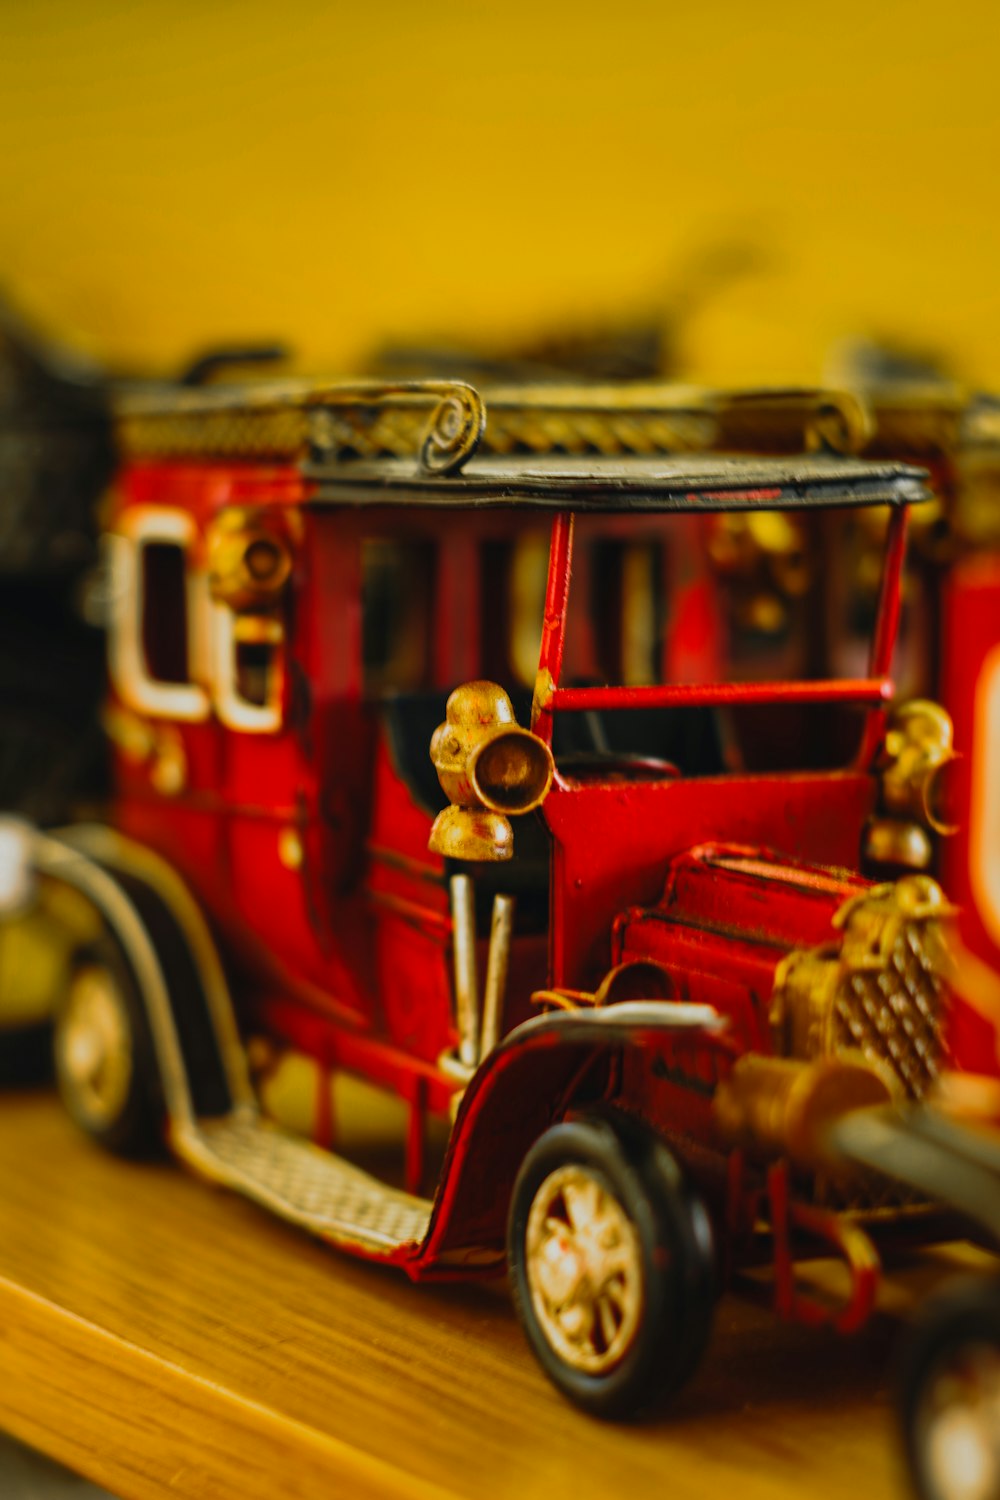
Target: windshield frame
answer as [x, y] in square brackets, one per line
[874, 691]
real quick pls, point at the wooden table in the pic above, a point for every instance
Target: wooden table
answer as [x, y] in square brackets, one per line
[168, 1340]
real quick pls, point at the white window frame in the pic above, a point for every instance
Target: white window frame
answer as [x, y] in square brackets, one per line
[136, 529]
[234, 711]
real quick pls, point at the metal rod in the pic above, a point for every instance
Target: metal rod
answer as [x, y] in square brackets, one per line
[890, 598]
[463, 919]
[501, 928]
[554, 620]
[886, 629]
[876, 690]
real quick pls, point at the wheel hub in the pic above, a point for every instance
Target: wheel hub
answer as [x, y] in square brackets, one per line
[95, 1045]
[584, 1269]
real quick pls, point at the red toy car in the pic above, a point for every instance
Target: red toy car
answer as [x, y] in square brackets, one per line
[687, 973]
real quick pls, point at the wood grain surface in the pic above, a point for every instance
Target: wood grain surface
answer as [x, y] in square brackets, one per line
[167, 1339]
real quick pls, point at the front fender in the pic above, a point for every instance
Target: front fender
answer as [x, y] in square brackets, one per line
[545, 1068]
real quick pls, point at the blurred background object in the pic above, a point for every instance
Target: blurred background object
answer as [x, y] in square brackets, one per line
[55, 460]
[28, 1476]
[739, 191]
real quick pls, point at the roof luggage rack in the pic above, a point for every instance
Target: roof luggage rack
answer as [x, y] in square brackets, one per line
[369, 420]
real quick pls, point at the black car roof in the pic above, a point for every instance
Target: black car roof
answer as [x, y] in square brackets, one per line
[691, 482]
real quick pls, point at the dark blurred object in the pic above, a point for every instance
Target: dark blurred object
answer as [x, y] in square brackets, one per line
[206, 367]
[872, 364]
[26, 1475]
[25, 1060]
[643, 345]
[56, 457]
[615, 352]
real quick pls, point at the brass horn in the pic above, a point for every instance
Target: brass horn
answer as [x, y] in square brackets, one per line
[489, 767]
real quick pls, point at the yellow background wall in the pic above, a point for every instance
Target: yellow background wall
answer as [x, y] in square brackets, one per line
[174, 172]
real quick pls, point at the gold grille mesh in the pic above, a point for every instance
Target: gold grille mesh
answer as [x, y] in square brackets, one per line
[883, 995]
[894, 1015]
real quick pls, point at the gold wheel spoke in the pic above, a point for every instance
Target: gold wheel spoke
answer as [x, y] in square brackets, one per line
[581, 1199]
[616, 1269]
[576, 1318]
[607, 1320]
[606, 1225]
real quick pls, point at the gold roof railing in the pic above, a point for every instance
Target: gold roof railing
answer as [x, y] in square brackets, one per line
[442, 423]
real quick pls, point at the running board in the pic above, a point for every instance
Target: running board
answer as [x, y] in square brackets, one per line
[239, 1149]
[311, 1188]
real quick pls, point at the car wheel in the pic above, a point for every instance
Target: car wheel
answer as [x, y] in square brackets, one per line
[950, 1395]
[611, 1265]
[103, 1055]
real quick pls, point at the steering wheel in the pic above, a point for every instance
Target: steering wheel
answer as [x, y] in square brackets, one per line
[617, 763]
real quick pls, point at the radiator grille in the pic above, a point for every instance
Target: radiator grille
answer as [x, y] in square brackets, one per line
[895, 1015]
[884, 995]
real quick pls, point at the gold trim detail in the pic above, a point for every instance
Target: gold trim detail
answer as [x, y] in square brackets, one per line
[918, 750]
[290, 850]
[160, 747]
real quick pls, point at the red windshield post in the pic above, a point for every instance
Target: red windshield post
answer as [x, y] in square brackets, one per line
[886, 626]
[887, 623]
[553, 625]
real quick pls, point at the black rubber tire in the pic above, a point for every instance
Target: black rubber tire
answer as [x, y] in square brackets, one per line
[136, 1128]
[965, 1315]
[677, 1257]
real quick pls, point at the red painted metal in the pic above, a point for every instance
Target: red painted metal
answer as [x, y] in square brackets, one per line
[689, 695]
[554, 620]
[613, 843]
[970, 861]
[834, 1232]
[887, 621]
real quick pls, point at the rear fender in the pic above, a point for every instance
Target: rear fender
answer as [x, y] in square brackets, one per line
[170, 953]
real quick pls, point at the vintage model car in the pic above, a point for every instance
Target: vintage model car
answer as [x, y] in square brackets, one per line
[346, 648]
